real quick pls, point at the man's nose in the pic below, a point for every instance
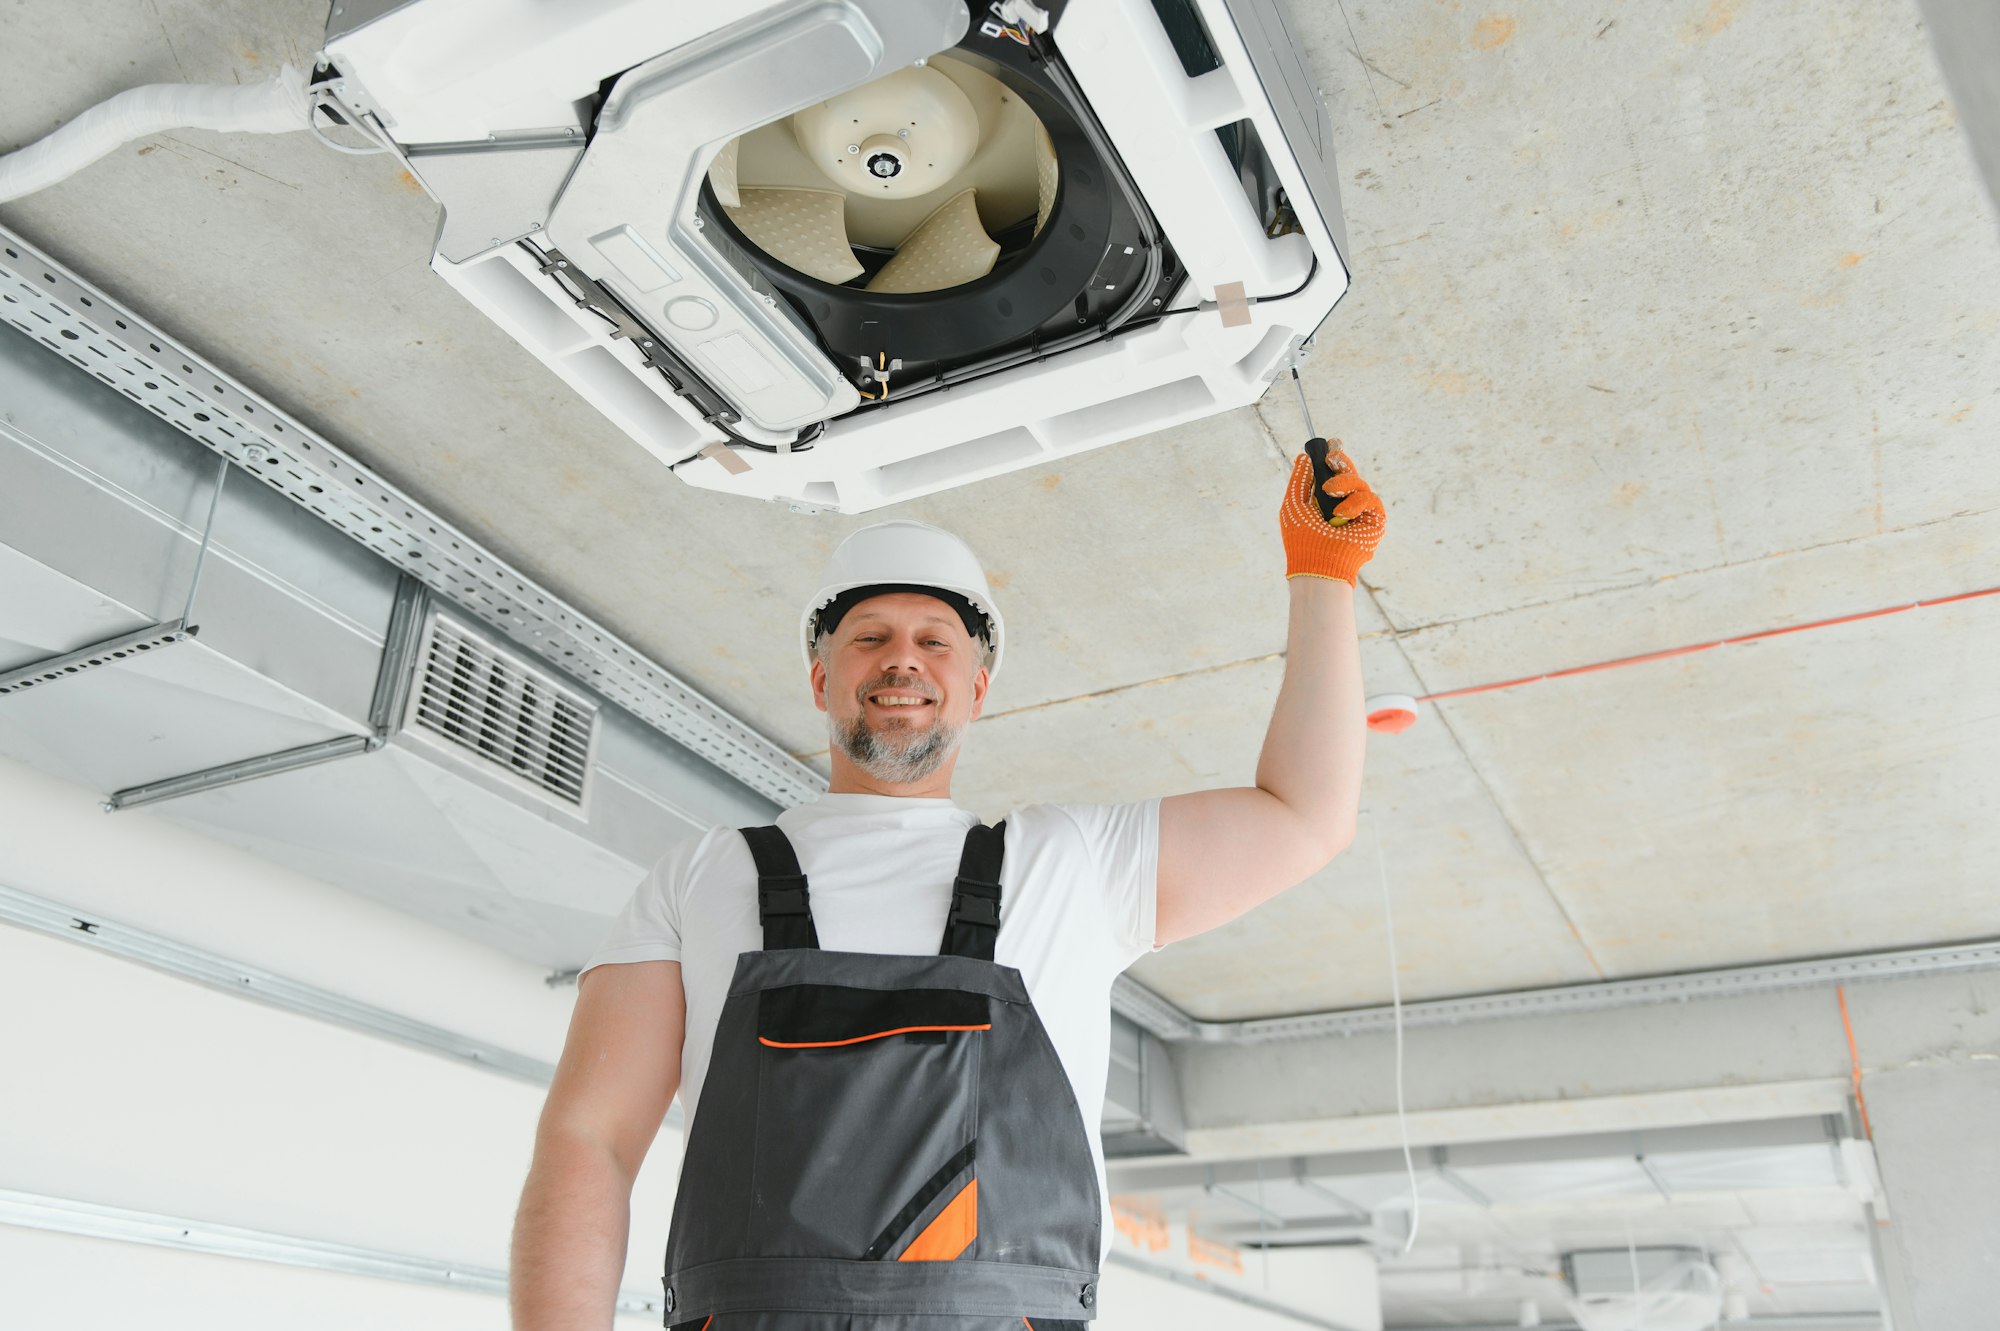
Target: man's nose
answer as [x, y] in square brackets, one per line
[903, 658]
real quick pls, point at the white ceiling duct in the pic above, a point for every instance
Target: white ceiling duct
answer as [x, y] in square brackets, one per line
[1645, 1289]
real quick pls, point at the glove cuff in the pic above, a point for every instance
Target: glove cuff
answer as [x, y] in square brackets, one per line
[1316, 561]
[1314, 547]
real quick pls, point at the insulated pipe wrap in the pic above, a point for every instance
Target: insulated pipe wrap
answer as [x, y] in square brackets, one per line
[276, 107]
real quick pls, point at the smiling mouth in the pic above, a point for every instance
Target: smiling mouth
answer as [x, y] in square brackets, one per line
[896, 701]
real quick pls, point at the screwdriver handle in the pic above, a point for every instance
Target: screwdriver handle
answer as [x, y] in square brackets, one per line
[1321, 455]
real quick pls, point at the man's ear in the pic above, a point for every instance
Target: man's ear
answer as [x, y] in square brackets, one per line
[980, 680]
[818, 677]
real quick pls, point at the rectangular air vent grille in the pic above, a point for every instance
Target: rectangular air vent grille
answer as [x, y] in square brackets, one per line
[511, 717]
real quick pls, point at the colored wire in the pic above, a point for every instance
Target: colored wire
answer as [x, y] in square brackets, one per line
[1706, 646]
[1854, 1061]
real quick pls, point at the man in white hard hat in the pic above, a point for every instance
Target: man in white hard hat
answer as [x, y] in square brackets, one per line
[882, 1126]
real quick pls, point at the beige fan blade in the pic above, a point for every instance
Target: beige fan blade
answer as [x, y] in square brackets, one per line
[948, 249]
[722, 175]
[1045, 177]
[800, 228]
[941, 133]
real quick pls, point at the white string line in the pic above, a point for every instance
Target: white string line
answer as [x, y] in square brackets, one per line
[1396, 1003]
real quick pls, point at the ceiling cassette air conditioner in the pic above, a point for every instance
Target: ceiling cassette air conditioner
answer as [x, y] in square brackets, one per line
[843, 253]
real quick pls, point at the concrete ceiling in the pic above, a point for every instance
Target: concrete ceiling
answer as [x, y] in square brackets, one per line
[1669, 323]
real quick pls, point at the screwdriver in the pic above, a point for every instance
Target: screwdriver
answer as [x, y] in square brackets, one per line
[1319, 452]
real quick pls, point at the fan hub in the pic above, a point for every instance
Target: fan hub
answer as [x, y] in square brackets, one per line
[882, 157]
[896, 138]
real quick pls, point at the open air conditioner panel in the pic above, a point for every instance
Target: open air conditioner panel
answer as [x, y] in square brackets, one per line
[908, 221]
[848, 253]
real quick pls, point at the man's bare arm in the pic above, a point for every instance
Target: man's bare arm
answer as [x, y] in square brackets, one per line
[620, 1068]
[1224, 851]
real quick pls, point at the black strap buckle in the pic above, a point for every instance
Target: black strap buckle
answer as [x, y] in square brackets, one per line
[779, 897]
[974, 923]
[784, 904]
[976, 903]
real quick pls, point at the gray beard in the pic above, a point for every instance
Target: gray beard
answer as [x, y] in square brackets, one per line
[900, 758]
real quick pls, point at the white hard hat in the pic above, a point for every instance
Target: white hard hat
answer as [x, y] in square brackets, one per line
[898, 556]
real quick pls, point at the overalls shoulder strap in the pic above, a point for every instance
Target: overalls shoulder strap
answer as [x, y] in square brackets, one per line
[974, 922]
[783, 904]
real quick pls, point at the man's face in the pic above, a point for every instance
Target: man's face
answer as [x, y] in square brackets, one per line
[899, 679]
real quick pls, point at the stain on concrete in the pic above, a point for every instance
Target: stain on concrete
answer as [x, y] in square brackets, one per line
[1720, 14]
[1456, 383]
[1628, 492]
[1493, 32]
[1850, 260]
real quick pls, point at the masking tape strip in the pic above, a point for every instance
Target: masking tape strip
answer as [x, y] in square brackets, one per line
[1233, 304]
[727, 456]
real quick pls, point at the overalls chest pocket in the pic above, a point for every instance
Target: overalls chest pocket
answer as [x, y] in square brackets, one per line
[867, 1116]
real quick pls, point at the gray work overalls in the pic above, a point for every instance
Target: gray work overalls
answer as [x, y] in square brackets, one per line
[882, 1141]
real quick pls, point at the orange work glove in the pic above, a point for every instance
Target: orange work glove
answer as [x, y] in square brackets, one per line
[1316, 548]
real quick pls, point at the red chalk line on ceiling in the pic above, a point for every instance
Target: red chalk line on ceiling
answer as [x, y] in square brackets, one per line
[1704, 646]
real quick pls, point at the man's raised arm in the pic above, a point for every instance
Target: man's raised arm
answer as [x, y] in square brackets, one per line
[620, 1068]
[1223, 852]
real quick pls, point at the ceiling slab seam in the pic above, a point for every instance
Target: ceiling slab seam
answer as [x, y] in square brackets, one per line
[1493, 796]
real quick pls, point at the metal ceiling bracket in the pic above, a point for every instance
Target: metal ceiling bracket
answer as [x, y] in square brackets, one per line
[207, 534]
[1311, 1184]
[28, 911]
[399, 651]
[247, 769]
[1456, 1181]
[1257, 1209]
[392, 691]
[1156, 1014]
[62, 1215]
[1660, 1184]
[183, 961]
[1783, 1322]
[126, 645]
[80, 323]
[108, 652]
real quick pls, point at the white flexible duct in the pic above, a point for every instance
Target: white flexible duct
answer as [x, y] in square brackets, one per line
[1685, 1297]
[276, 107]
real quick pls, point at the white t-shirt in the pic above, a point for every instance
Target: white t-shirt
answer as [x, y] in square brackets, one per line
[1077, 907]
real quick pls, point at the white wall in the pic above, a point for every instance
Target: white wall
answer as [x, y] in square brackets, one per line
[127, 1087]
[1336, 1285]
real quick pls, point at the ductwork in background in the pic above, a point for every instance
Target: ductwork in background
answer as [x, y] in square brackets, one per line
[321, 708]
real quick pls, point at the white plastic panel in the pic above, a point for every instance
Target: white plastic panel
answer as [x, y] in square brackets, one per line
[1161, 121]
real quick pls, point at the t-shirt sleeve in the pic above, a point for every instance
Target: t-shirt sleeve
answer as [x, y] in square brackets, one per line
[649, 928]
[1124, 844]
